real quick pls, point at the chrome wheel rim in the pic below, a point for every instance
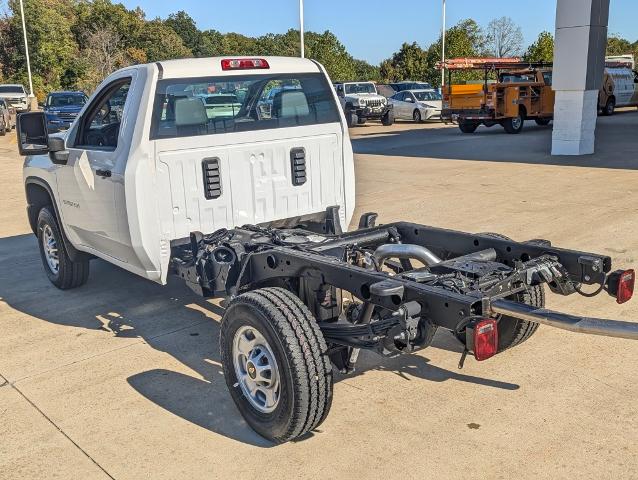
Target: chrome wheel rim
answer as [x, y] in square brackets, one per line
[517, 122]
[50, 246]
[256, 369]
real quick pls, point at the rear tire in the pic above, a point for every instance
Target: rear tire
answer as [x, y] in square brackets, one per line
[276, 325]
[468, 127]
[63, 272]
[514, 125]
[542, 121]
[513, 331]
[610, 107]
[361, 121]
[3, 131]
[388, 119]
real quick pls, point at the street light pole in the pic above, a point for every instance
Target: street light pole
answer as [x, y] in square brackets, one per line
[26, 49]
[303, 53]
[443, 48]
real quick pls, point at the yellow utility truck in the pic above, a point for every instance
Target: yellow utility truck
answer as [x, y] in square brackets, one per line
[511, 92]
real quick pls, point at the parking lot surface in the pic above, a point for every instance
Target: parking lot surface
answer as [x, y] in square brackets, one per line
[121, 378]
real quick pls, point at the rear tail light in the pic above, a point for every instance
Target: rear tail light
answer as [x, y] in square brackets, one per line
[620, 284]
[244, 64]
[485, 339]
[625, 289]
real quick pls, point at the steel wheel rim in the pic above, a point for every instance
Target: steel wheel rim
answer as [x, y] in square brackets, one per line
[50, 246]
[517, 122]
[256, 369]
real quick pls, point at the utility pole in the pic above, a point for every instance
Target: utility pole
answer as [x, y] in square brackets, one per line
[26, 49]
[303, 53]
[443, 48]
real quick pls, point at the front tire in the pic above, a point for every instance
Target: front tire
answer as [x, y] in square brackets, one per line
[63, 272]
[276, 364]
[352, 119]
[388, 119]
[416, 116]
[514, 125]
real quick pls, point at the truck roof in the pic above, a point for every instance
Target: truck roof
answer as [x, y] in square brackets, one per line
[212, 66]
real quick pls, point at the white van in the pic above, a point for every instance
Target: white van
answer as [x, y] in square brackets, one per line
[619, 89]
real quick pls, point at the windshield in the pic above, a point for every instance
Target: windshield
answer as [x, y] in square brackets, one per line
[187, 107]
[360, 88]
[74, 99]
[11, 89]
[518, 77]
[423, 96]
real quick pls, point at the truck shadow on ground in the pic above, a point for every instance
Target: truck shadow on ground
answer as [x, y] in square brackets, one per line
[615, 144]
[173, 320]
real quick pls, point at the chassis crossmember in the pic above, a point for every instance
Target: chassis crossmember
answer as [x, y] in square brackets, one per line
[403, 280]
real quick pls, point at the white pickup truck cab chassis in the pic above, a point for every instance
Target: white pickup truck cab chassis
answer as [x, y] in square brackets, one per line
[255, 153]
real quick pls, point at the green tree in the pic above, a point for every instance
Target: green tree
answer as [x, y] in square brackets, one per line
[410, 62]
[619, 46]
[52, 45]
[542, 50]
[331, 53]
[160, 42]
[185, 27]
[465, 39]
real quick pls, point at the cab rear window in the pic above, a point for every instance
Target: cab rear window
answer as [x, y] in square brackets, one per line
[187, 107]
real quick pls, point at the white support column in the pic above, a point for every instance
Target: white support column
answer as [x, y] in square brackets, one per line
[579, 61]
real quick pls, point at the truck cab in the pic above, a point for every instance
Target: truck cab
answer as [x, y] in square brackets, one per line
[153, 156]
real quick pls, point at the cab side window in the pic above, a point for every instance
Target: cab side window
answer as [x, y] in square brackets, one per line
[100, 127]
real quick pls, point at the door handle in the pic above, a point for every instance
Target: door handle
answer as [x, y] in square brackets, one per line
[103, 173]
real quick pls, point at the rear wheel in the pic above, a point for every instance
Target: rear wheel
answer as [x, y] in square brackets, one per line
[275, 363]
[513, 331]
[514, 125]
[388, 119]
[610, 107]
[3, 130]
[63, 272]
[416, 116]
[468, 127]
[542, 121]
[361, 121]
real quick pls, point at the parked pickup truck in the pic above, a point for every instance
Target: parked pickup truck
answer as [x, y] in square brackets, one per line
[255, 209]
[61, 108]
[511, 92]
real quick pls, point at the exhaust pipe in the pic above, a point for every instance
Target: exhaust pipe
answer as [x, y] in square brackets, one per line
[404, 250]
[573, 323]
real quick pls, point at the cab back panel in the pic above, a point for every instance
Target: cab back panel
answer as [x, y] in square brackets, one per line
[256, 183]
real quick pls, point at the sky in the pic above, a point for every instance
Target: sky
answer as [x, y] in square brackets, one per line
[373, 29]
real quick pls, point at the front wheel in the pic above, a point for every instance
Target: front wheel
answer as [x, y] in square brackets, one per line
[514, 125]
[276, 364]
[3, 130]
[416, 116]
[63, 272]
[388, 119]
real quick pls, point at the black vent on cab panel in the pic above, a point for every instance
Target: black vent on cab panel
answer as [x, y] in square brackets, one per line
[212, 178]
[298, 165]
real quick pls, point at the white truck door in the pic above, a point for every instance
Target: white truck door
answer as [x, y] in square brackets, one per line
[87, 184]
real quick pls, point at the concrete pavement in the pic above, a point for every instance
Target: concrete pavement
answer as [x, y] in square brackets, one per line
[121, 378]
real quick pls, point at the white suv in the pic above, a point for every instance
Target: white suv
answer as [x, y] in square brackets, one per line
[16, 96]
[361, 101]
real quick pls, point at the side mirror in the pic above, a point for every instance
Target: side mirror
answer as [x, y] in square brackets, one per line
[59, 155]
[32, 134]
[409, 99]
